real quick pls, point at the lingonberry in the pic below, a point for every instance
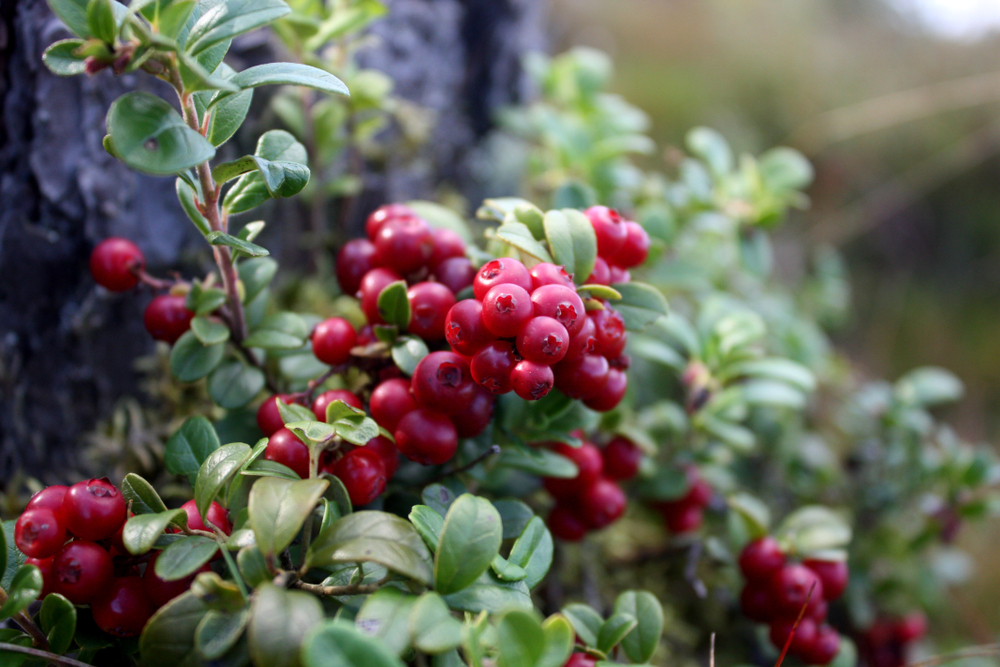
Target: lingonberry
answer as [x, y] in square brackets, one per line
[805, 634]
[384, 214]
[565, 524]
[610, 229]
[166, 318]
[447, 244]
[442, 383]
[455, 273]
[491, 366]
[602, 503]
[910, 628]
[476, 418]
[366, 335]
[609, 333]
[429, 306]
[635, 250]
[118, 539]
[580, 660]
[93, 509]
[500, 272]
[589, 466]
[611, 394]
[833, 574]
[386, 449]
[285, 448]
[683, 517]
[38, 533]
[583, 377]
[601, 274]
[82, 571]
[327, 397]
[51, 497]
[584, 342]
[506, 309]
[44, 566]
[699, 491]
[818, 611]
[823, 648]
[622, 458]
[464, 328]
[391, 401]
[561, 303]
[160, 591]
[617, 274]
[543, 340]
[354, 260]
[363, 474]
[404, 244]
[531, 381]
[755, 602]
[546, 273]
[332, 340]
[372, 285]
[115, 264]
[123, 609]
[761, 558]
[791, 586]
[268, 417]
[216, 515]
[427, 437]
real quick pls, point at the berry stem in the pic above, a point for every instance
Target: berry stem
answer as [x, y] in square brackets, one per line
[351, 589]
[45, 655]
[493, 449]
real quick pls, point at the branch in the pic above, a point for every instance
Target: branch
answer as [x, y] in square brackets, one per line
[351, 589]
[45, 655]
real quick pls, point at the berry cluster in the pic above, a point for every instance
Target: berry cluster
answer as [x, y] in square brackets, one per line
[885, 643]
[776, 591]
[74, 536]
[685, 514]
[593, 499]
[621, 245]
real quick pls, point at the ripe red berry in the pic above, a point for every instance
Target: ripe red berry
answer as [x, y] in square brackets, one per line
[761, 558]
[755, 602]
[506, 309]
[476, 418]
[322, 401]
[455, 273]
[610, 229]
[791, 585]
[910, 628]
[601, 275]
[384, 214]
[565, 525]
[682, 517]
[611, 393]
[543, 340]
[386, 449]
[805, 634]
[372, 285]
[617, 274]
[464, 328]
[546, 273]
[583, 377]
[580, 660]
[93, 509]
[285, 448]
[823, 648]
[622, 458]
[589, 464]
[833, 574]
[51, 497]
[429, 306]
[447, 244]
[562, 304]
[427, 437]
[268, 418]
[363, 474]
[699, 491]
[442, 383]
[531, 381]
[216, 515]
[609, 333]
[391, 401]
[492, 365]
[354, 260]
[159, 591]
[635, 250]
[114, 263]
[38, 533]
[332, 340]
[123, 609]
[818, 611]
[404, 245]
[166, 318]
[584, 342]
[83, 570]
[602, 503]
[499, 272]
[44, 566]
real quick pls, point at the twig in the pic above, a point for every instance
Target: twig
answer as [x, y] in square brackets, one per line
[45, 655]
[711, 652]
[350, 589]
[983, 651]
[493, 449]
[38, 638]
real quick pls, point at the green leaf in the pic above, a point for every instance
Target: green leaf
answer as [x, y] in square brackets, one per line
[57, 619]
[784, 370]
[245, 247]
[573, 242]
[185, 557]
[441, 217]
[251, 190]
[439, 498]
[599, 292]
[279, 507]
[347, 19]
[340, 644]
[492, 595]
[14, 556]
[385, 616]
[433, 629]
[74, 14]
[614, 630]
[279, 622]
[640, 304]
[521, 639]
[785, 170]
[219, 631]
[394, 305]
[228, 19]
[376, 537]
[533, 219]
[407, 352]
[142, 531]
[220, 467]
[253, 566]
[256, 274]
[428, 523]
[506, 570]
[168, 638]
[640, 644]
[209, 331]
[289, 74]
[537, 461]
[234, 384]
[185, 194]
[559, 641]
[813, 528]
[60, 58]
[515, 516]
[574, 195]
[533, 551]
[24, 589]
[281, 179]
[280, 331]
[337, 494]
[188, 448]
[470, 538]
[711, 147]
[196, 77]
[773, 394]
[585, 620]
[929, 386]
[518, 235]
[191, 361]
[499, 208]
[149, 136]
[753, 511]
[141, 496]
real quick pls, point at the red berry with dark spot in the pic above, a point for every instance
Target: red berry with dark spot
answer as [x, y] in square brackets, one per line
[159, 591]
[268, 417]
[391, 401]
[363, 474]
[114, 263]
[610, 229]
[589, 464]
[322, 401]
[384, 214]
[427, 437]
[622, 458]
[51, 497]
[285, 448]
[546, 273]
[38, 533]
[499, 272]
[386, 449]
[506, 309]
[602, 503]
[531, 381]
[442, 383]
[166, 318]
[447, 244]
[755, 602]
[583, 377]
[354, 260]
[476, 418]
[543, 340]
[565, 525]
[429, 306]
[455, 273]
[492, 365]
[635, 250]
[584, 342]
[82, 571]
[124, 608]
[601, 275]
[823, 648]
[93, 509]
[332, 340]
[372, 285]
[761, 558]
[562, 304]
[464, 328]
[609, 333]
[790, 586]
[216, 515]
[833, 574]
[404, 245]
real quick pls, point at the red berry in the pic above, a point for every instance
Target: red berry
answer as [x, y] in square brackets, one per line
[323, 401]
[617, 274]
[609, 333]
[755, 603]
[506, 309]
[621, 459]
[384, 214]
[404, 245]
[372, 285]
[476, 418]
[602, 503]
[492, 365]
[94, 509]
[833, 574]
[589, 464]
[584, 342]
[82, 570]
[610, 229]
[285, 448]
[805, 634]
[464, 328]
[391, 401]
[332, 340]
[354, 260]
[447, 244]
[442, 383]
[124, 609]
[910, 628]
[543, 340]
[531, 381]
[823, 648]
[561, 303]
[455, 273]
[635, 250]
[268, 417]
[611, 394]
[386, 449]
[580, 660]
[363, 474]
[601, 275]
[427, 437]
[159, 591]
[583, 377]
[761, 558]
[818, 611]
[429, 306]
[681, 517]
[113, 264]
[546, 273]
[44, 566]
[216, 515]
[790, 587]
[366, 335]
[565, 525]
[166, 318]
[51, 497]
[699, 492]
[38, 533]
[499, 272]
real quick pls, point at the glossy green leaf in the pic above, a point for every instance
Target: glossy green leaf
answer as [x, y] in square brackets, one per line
[428, 523]
[141, 496]
[74, 14]
[506, 570]
[559, 641]
[573, 242]
[185, 556]
[291, 74]
[537, 461]
[439, 497]
[640, 304]
[599, 292]
[432, 627]
[168, 638]
[253, 566]
[24, 589]
[532, 218]
[279, 331]
[346, 20]
[245, 247]
[518, 235]
[279, 622]
[640, 644]
[191, 361]
[407, 352]
[614, 630]
[784, 370]
[219, 467]
[814, 528]
[218, 632]
[256, 274]
[188, 448]
[196, 77]
[337, 494]
[281, 179]
[229, 19]
[385, 616]
[143, 530]
[470, 538]
[228, 114]
[533, 551]
[151, 137]
[521, 639]
[250, 190]
[61, 59]
[773, 394]
[186, 196]
[278, 508]
[340, 644]
[234, 384]
[515, 516]
[585, 620]
[209, 331]
[57, 618]
[101, 21]
[14, 556]
[394, 305]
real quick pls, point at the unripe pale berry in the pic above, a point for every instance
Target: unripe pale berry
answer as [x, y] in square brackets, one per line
[332, 340]
[114, 263]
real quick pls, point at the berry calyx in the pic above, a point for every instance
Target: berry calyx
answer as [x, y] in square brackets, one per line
[115, 264]
[464, 328]
[38, 533]
[124, 609]
[391, 401]
[506, 309]
[543, 340]
[531, 381]
[166, 318]
[499, 272]
[93, 509]
[285, 448]
[82, 571]
[363, 474]
[332, 340]
[427, 437]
